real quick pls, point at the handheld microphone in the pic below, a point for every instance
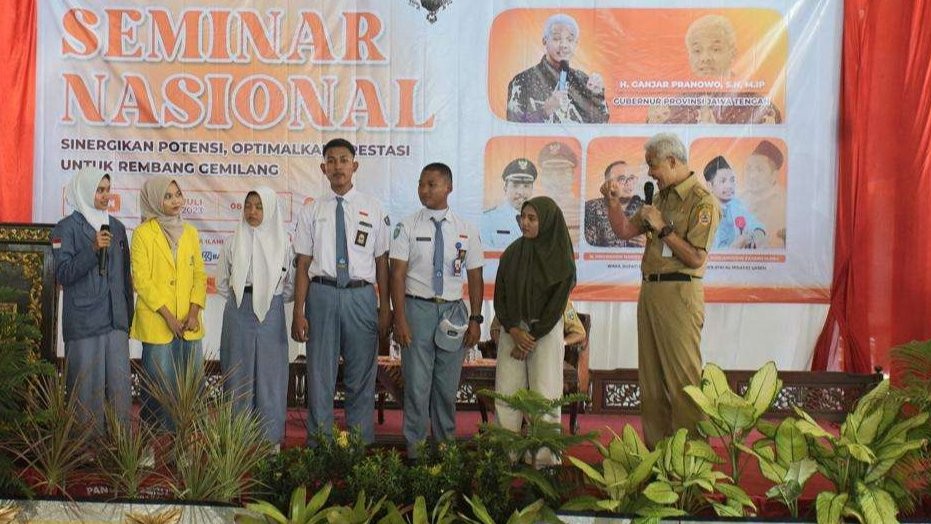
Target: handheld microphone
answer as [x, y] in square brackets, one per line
[102, 254]
[648, 189]
[563, 75]
[741, 223]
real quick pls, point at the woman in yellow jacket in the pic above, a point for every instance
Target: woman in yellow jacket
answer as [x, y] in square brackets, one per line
[171, 286]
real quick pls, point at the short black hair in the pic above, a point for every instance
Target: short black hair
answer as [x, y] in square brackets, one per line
[612, 166]
[339, 142]
[440, 167]
[716, 164]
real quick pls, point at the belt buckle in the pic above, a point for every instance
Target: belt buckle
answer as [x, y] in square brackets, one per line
[440, 300]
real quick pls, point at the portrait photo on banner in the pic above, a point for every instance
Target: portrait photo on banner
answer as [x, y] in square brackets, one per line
[749, 178]
[520, 168]
[634, 65]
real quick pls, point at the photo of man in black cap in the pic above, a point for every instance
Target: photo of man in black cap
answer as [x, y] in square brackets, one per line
[499, 224]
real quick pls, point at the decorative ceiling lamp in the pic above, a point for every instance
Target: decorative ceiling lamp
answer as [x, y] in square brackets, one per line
[432, 6]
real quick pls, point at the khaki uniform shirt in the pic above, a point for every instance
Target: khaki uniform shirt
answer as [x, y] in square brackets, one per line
[694, 214]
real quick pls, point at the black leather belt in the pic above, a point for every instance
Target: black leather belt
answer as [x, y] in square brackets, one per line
[669, 277]
[326, 281]
[435, 300]
[247, 289]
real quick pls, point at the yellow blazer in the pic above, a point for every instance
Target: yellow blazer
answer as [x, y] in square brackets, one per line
[162, 280]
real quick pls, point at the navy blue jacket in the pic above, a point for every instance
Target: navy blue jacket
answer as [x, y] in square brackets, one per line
[93, 305]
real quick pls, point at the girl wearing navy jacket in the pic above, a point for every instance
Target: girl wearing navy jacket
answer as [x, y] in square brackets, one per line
[98, 298]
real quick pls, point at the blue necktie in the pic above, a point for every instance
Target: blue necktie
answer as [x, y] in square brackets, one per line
[438, 258]
[342, 252]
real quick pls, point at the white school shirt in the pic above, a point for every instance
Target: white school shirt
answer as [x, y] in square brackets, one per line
[366, 234]
[412, 241]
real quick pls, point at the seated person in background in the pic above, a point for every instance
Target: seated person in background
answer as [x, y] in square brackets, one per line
[598, 230]
[739, 229]
[573, 331]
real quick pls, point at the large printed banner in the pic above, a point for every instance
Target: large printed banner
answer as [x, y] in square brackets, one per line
[520, 100]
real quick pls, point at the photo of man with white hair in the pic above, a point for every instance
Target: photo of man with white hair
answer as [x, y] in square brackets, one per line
[552, 91]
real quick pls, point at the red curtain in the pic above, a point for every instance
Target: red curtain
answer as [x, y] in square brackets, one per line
[17, 108]
[881, 294]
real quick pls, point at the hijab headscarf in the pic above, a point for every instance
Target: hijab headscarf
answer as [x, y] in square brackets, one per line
[538, 263]
[80, 194]
[263, 249]
[150, 200]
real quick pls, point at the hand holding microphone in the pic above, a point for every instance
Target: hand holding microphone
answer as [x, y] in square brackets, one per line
[101, 245]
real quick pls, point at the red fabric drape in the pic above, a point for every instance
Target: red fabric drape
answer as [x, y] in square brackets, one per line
[17, 109]
[881, 294]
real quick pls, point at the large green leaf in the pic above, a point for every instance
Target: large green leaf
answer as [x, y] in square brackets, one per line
[899, 432]
[791, 445]
[589, 471]
[763, 388]
[643, 470]
[703, 450]
[713, 382]
[735, 412]
[661, 493]
[812, 429]
[877, 505]
[861, 452]
[632, 440]
[767, 428]
[888, 456]
[586, 503]
[703, 402]
[735, 494]
[829, 507]
[869, 425]
[675, 452]
[801, 471]
[773, 471]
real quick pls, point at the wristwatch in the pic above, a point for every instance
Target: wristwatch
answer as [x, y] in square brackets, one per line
[667, 229]
[478, 319]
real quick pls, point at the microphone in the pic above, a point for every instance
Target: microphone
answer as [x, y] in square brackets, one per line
[648, 189]
[741, 223]
[102, 254]
[563, 75]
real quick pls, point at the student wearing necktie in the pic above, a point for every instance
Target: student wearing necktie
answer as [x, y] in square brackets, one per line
[341, 243]
[433, 253]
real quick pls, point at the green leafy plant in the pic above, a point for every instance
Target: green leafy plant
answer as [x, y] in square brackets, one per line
[784, 460]
[183, 399]
[216, 462]
[54, 437]
[19, 360]
[362, 512]
[686, 479]
[912, 362]
[870, 462]
[301, 511]
[278, 475]
[121, 455]
[532, 514]
[730, 416]
[625, 472]
[417, 513]
[490, 472]
[382, 474]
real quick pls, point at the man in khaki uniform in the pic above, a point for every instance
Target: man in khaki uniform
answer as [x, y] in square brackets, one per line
[681, 225]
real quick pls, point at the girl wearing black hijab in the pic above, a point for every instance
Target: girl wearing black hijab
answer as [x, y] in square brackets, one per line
[535, 276]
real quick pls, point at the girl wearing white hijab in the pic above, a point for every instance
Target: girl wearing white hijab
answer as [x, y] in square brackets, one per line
[91, 254]
[171, 287]
[255, 275]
